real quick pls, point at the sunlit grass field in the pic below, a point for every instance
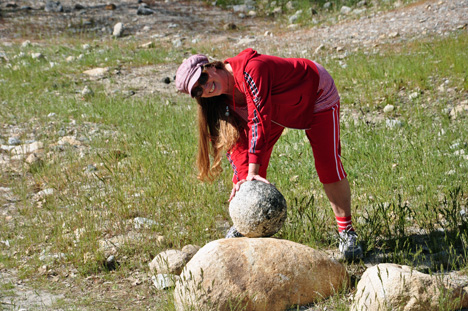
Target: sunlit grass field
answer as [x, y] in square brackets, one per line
[407, 167]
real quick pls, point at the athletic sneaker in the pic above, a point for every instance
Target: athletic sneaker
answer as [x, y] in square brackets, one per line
[349, 245]
[233, 233]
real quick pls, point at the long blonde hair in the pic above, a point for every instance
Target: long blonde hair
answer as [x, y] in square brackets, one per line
[217, 132]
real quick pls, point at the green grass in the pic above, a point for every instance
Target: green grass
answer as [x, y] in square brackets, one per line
[405, 180]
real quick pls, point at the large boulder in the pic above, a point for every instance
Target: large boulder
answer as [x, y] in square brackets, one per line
[257, 275]
[393, 287]
[258, 209]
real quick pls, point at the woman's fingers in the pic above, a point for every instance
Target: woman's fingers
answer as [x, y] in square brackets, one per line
[233, 193]
[257, 177]
[236, 188]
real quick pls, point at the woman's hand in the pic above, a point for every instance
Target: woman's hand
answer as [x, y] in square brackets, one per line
[250, 177]
[253, 173]
[236, 188]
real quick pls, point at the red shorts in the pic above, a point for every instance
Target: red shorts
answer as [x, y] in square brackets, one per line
[324, 137]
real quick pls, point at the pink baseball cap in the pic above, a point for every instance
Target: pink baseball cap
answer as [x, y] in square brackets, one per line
[189, 72]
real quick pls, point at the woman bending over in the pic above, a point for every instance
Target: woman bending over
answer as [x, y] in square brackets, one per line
[244, 104]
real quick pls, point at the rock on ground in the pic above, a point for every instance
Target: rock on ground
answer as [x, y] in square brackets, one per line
[171, 261]
[394, 287]
[258, 209]
[190, 250]
[257, 274]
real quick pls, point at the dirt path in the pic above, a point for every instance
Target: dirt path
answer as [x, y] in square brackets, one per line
[372, 28]
[188, 20]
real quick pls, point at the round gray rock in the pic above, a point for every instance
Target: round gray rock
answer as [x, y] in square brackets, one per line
[258, 209]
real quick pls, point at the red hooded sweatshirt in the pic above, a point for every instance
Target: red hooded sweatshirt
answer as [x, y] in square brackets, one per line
[278, 90]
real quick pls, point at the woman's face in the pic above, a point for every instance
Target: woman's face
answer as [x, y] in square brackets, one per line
[216, 84]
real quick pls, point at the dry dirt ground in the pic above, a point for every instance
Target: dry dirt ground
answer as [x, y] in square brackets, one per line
[185, 23]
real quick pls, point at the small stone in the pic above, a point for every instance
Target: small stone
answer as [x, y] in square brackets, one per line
[141, 222]
[26, 43]
[358, 11]
[392, 123]
[118, 30]
[27, 148]
[91, 168]
[87, 91]
[147, 45]
[252, 13]
[166, 80]
[37, 55]
[459, 110]
[230, 26]
[394, 34]
[53, 6]
[61, 133]
[388, 108]
[414, 95]
[3, 57]
[327, 5]
[14, 141]
[293, 19]
[177, 43]
[69, 140]
[164, 281]
[345, 10]
[277, 11]
[128, 93]
[111, 263]
[319, 48]
[239, 8]
[190, 250]
[33, 158]
[144, 9]
[96, 72]
[43, 194]
[110, 7]
[245, 41]
[169, 262]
